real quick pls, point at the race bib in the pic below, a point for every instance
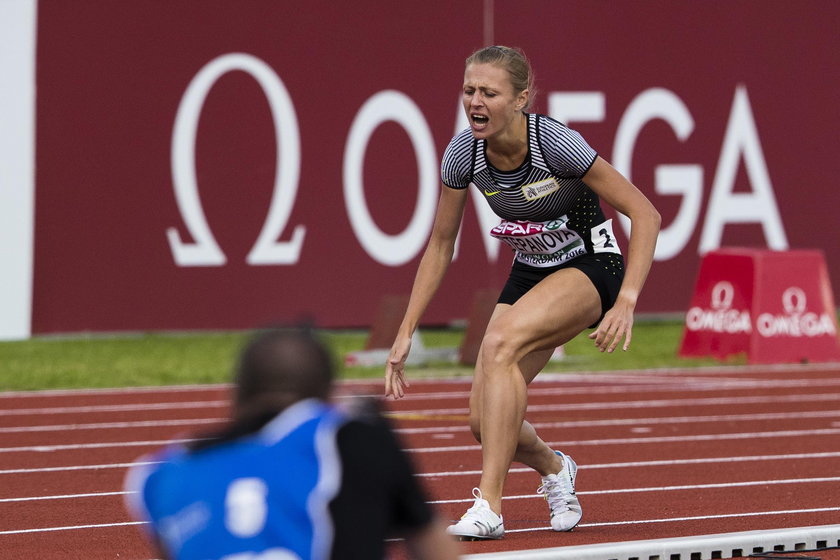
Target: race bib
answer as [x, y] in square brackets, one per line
[545, 244]
[541, 244]
[603, 238]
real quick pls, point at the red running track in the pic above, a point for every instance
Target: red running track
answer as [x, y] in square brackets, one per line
[662, 454]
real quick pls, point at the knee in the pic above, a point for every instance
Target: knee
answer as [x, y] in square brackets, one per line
[497, 347]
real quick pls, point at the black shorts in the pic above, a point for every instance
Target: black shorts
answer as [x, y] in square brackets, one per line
[605, 271]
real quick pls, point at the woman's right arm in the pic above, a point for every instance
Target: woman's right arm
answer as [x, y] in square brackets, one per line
[429, 275]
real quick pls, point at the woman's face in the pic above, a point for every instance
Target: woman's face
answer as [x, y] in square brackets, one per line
[489, 100]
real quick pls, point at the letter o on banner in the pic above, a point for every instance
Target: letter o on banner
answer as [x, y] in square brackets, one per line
[390, 105]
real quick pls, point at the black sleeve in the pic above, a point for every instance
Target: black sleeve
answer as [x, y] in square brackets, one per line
[379, 497]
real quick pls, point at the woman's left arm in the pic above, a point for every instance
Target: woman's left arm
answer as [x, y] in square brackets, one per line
[621, 194]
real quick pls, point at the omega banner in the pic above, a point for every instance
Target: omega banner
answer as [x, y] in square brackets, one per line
[221, 165]
[771, 306]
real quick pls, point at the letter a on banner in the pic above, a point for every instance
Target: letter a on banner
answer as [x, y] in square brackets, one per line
[726, 206]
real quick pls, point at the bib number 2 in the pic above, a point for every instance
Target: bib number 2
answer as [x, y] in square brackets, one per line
[603, 238]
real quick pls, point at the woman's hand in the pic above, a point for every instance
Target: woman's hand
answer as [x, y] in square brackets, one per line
[395, 382]
[616, 324]
[624, 197]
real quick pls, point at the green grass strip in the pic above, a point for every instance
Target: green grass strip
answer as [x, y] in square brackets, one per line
[199, 358]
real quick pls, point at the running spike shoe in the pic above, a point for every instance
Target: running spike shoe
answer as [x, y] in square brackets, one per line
[479, 523]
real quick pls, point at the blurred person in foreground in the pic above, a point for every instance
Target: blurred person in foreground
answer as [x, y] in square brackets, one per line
[292, 476]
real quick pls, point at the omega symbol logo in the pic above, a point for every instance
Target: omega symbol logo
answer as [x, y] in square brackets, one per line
[722, 295]
[794, 300]
[204, 250]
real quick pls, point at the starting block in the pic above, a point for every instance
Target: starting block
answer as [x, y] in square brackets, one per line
[484, 301]
[384, 330]
[774, 306]
[483, 304]
[387, 321]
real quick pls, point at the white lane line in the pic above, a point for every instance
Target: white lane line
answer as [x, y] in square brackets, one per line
[76, 468]
[648, 440]
[814, 480]
[684, 403]
[168, 389]
[65, 497]
[620, 465]
[644, 385]
[534, 391]
[659, 463]
[565, 443]
[111, 425]
[517, 497]
[127, 407]
[654, 403]
[106, 445]
[540, 528]
[72, 527]
[133, 407]
[663, 489]
[692, 518]
[663, 420]
[667, 420]
[703, 517]
[716, 370]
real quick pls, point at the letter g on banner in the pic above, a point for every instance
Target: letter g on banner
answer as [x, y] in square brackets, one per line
[684, 180]
[205, 251]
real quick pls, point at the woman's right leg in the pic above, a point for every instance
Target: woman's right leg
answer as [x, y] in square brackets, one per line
[530, 450]
[553, 312]
[483, 519]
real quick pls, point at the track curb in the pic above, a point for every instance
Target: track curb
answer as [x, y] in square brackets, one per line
[700, 547]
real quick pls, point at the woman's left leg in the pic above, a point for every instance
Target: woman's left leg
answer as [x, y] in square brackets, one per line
[530, 449]
[553, 312]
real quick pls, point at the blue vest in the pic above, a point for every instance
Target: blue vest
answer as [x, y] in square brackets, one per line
[264, 497]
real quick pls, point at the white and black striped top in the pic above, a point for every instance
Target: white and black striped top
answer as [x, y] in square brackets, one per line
[554, 151]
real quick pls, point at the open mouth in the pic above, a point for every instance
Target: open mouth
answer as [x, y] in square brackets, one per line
[480, 120]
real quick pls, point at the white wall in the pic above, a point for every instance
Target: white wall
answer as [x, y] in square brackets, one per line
[17, 165]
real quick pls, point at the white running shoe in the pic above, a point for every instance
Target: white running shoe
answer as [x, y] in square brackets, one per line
[480, 522]
[559, 491]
